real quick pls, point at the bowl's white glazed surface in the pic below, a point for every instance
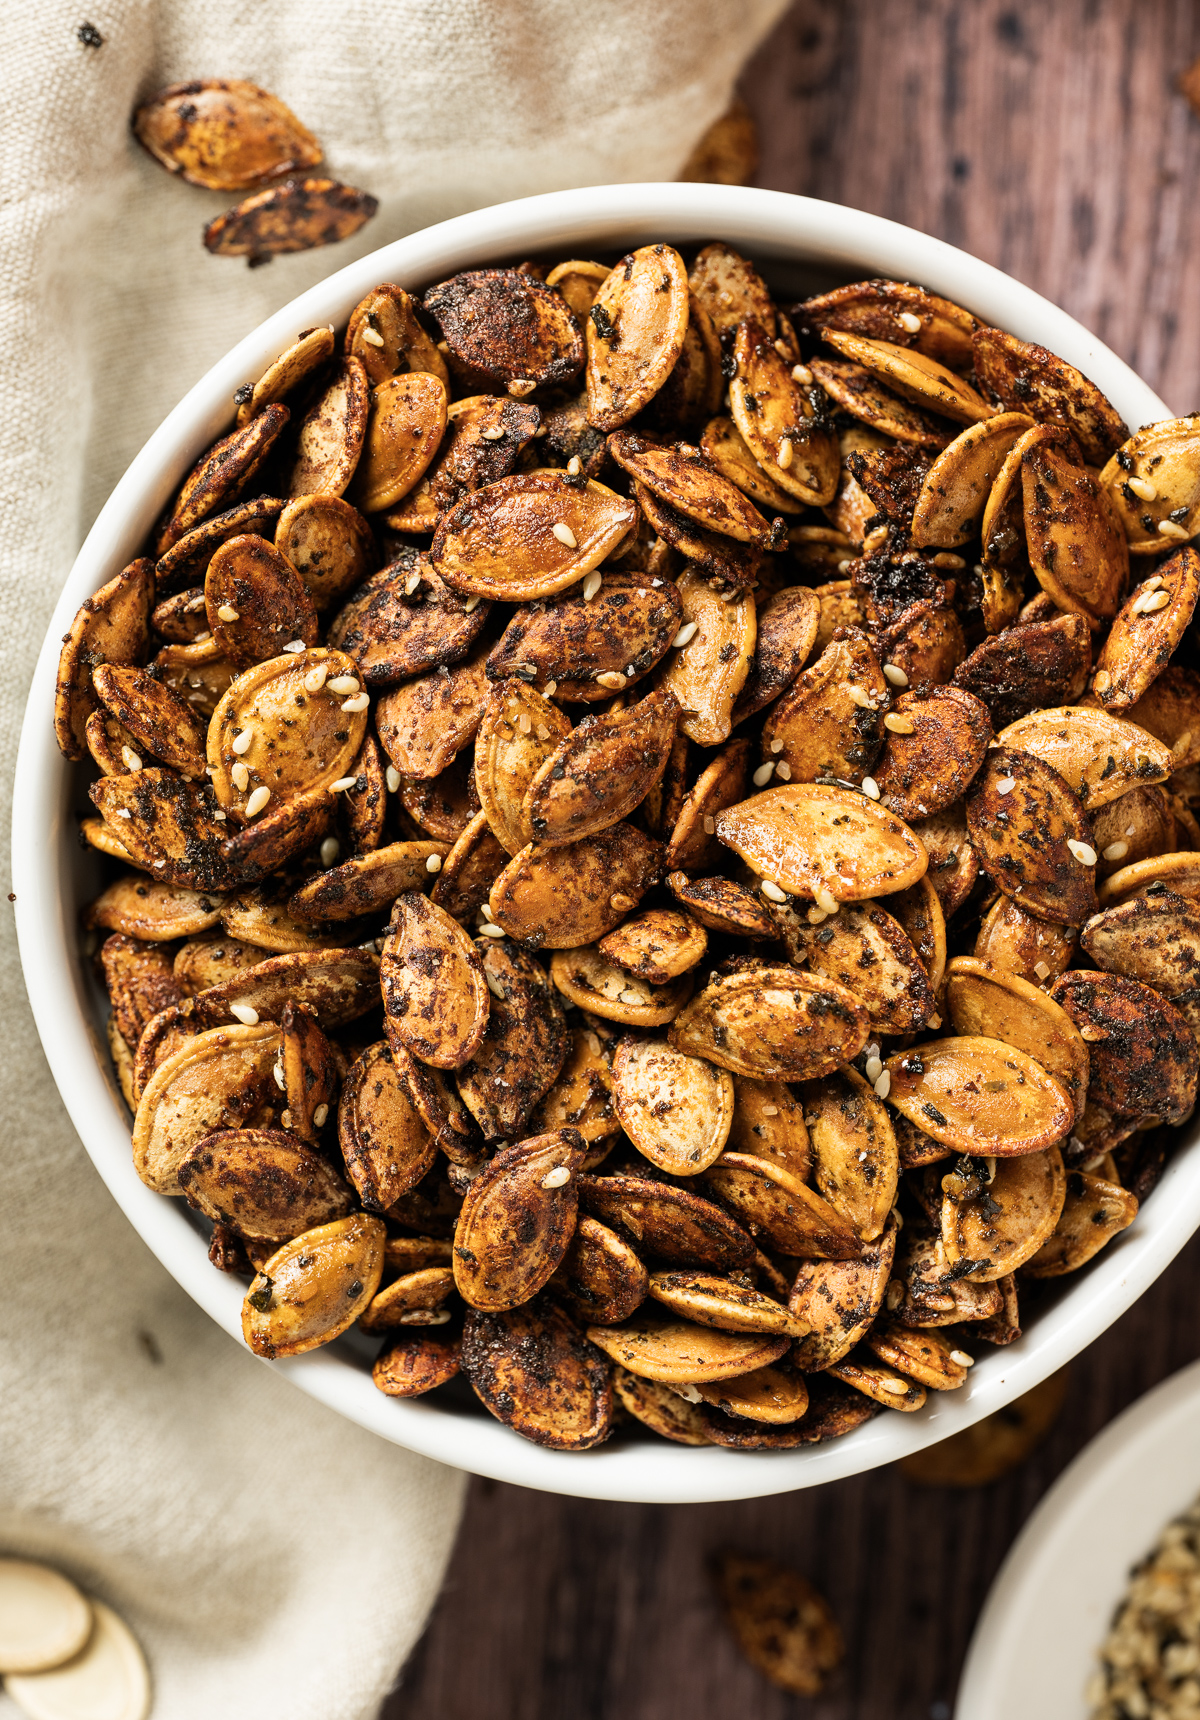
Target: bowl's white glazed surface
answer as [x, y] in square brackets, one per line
[805, 246]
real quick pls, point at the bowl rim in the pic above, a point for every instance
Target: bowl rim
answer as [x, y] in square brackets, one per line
[768, 224]
[1069, 1566]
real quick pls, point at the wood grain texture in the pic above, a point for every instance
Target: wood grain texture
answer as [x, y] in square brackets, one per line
[1050, 140]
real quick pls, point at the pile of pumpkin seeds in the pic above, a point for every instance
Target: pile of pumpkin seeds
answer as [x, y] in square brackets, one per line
[653, 841]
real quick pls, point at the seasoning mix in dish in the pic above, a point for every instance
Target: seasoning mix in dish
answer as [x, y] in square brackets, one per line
[654, 861]
[1150, 1662]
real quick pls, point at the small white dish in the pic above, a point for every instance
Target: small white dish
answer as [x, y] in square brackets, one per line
[1050, 1607]
[807, 246]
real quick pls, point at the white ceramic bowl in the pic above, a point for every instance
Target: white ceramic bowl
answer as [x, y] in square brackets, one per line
[806, 246]
[1036, 1643]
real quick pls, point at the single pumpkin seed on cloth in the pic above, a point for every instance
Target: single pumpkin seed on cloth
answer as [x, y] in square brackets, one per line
[590, 920]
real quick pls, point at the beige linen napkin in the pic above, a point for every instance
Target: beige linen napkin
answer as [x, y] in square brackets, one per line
[273, 1559]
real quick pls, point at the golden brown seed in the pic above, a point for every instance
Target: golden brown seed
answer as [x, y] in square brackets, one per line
[310, 1290]
[435, 996]
[224, 134]
[980, 1096]
[516, 1222]
[298, 215]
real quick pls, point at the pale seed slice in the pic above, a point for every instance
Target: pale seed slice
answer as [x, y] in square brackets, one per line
[601, 770]
[561, 897]
[45, 1618]
[314, 1287]
[158, 722]
[469, 870]
[1155, 477]
[223, 134]
[144, 908]
[221, 474]
[330, 439]
[1099, 756]
[402, 344]
[534, 1370]
[709, 669]
[307, 353]
[987, 1003]
[424, 724]
[256, 602]
[668, 1223]
[856, 1161]
[1032, 835]
[417, 1362]
[500, 542]
[829, 723]
[1076, 546]
[676, 1352]
[955, 492]
[524, 1047]
[635, 331]
[927, 1357]
[111, 627]
[1146, 631]
[726, 448]
[217, 1080]
[328, 543]
[660, 1409]
[914, 376]
[787, 629]
[809, 838]
[899, 312]
[1093, 1213]
[979, 1096]
[860, 393]
[676, 1109]
[405, 428]
[435, 995]
[709, 1300]
[581, 1098]
[781, 423]
[993, 1233]
[686, 480]
[879, 1381]
[657, 946]
[414, 1299]
[763, 1395]
[768, 1123]
[592, 982]
[838, 1300]
[622, 630]
[925, 769]
[385, 1144]
[868, 952]
[774, 1022]
[262, 1183]
[600, 1275]
[516, 1222]
[1025, 377]
[723, 906]
[365, 884]
[1143, 1054]
[772, 1203]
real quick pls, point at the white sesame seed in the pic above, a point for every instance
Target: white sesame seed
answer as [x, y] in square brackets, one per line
[591, 586]
[860, 697]
[280, 1080]
[321, 1116]
[557, 1178]
[412, 581]
[574, 466]
[613, 680]
[884, 1085]
[826, 899]
[1083, 852]
[1182, 743]
[315, 679]
[1157, 600]
[227, 612]
[898, 724]
[802, 374]
[257, 801]
[130, 759]
[472, 603]
[492, 432]
[897, 1388]
[1006, 785]
[1153, 583]
[870, 788]
[245, 1013]
[492, 931]
[240, 777]
[783, 458]
[202, 638]
[295, 646]
[763, 774]
[1143, 489]
[487, 913]
[783, 771]
[895, 675]
[494, 986]
[1102, 682]
[1116, 851]
[434, 863]
[342, 684]
[359, 702]
[688, 1393]
[772, 891]
[372, 336]
[520, 386]
[330, 849]
[685, 635]
[816, 916]
[393, 779]
[909, 321]
[243, 741]
[873, 1069]
[343, 784]
[1169, 529]
[962, 1358]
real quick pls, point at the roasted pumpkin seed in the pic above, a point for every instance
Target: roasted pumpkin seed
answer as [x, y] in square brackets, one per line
[709, 1300]
[600, 1275]
[158, 723]
[838, 1300]
[500, 326]
[667, 1223]
[517, 1221]
[384, 1142]
[774, 1022]
[766, 1394]
[657, 946]
[1146, 631]
[980, 1095]
[594, 983]
[1099, 756]
[676, 1352]
[772, 1203]
[534, 1370]
[711, 661]
[1025, 377]
[635, 330]
[950, 507]
[217, 1080]
[1032, 835]
[856, 1163]
[868, 952]
[262, 1183]
[435, 995]
[829, 723]
[1143, 1054]
[601, 770]
[927, 1357]
[388, 313]
[224, 134]
[676, 1109]
[624, 629]
[314, 1287]
[991, 1233]
[559, 897]
[501, 543]
[416, 1362]
[782, 426]
[817, 841]
[1093, 1213]
[112, 627]
[298, 215]
[659, 1408]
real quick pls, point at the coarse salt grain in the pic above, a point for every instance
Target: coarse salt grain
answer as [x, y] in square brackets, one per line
[1006, 784]
[783, 771]
[777, 746]
[295, 646]
[1043, 970]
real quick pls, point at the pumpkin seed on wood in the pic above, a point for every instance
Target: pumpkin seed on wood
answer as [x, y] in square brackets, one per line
[657, 946]
[416, 1362]
[770, 1202]
[223, 134]
[501, 326]
[809, 837]
[314, 1287]
[1093, 1213]
[780, 423]
[927, 1357]
[1146, 631]
[677, 1110]
[635, 331]
[954, 494]
[830, 720]
[601, 770]
[1032, 835]
[221, 474]
[516, 1222]
[625, 629]
[366, 884]
[677, 1352]
[435, 996]
[535, 1371]
[256, 602]
[1143, 1055]
[838, 1300]
[1025, 377]
[990, 1234]
[766, 1394]
[979, 1095]
[927, 768]
[424, 724]
[263, 1183]
[1099, 755]
[659, 1408]
[773, 1022]
[523, 1048]
[913, 376]
[1076, 547]
[600, 1275]
[685, 479]
[856, 1163]
[667, 1223]
[306, 354]
[218, 1080]
[388, 312]
[726, 448]
[112, 627]
[298, 215]
[144, 908]
[707, 672]
[860, 394]
[879, 1381]
[723, 906]
[384, 1142]
[869, 953]
[156, 719]
[592, 982]
[988, 1003]
[581, 1097]
[563, 896]
[709, 1300]
[1029, 667]
[500, 542]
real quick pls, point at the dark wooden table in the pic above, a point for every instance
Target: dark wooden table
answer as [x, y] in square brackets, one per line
[1047, 137]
